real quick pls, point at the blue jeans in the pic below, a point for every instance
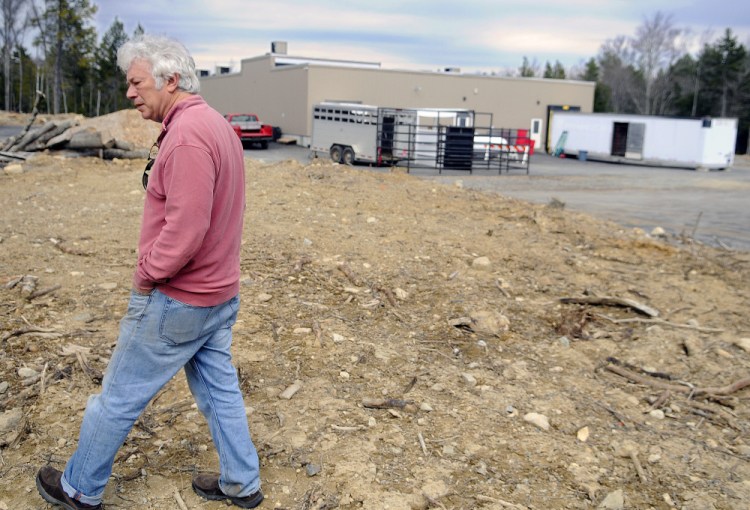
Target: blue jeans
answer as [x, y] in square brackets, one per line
[158, 336]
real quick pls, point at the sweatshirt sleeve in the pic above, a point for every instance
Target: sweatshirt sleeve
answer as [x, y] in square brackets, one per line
[188, 179]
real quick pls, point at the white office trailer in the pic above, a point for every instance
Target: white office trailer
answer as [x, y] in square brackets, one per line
[706, 143]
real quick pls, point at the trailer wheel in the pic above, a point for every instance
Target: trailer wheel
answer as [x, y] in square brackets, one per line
[347, 157]
[336, 153]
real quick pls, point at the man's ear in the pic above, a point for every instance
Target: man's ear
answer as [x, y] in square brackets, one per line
[173, 82]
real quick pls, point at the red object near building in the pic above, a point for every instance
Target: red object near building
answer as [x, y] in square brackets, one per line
[523, 139]
[250, 129]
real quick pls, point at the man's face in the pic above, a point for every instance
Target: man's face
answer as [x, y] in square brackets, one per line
[147, 99]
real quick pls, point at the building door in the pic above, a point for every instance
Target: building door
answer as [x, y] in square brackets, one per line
[549, 144]
[536, 133]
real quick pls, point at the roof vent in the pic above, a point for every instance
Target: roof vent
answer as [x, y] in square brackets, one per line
[278, 47]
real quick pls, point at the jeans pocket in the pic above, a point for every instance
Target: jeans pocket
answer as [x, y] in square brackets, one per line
[137, 305]
[233, 306]
[181, 322]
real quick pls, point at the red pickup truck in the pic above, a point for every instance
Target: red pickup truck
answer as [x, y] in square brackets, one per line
[250, 129]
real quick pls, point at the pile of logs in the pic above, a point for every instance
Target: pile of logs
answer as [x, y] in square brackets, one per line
[66, 135]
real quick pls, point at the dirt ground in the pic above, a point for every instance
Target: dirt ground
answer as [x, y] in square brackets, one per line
[449, 348]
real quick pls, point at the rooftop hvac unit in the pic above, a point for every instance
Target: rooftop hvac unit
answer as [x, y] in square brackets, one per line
[278, 47]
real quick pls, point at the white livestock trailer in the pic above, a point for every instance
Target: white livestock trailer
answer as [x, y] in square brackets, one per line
[351, 132]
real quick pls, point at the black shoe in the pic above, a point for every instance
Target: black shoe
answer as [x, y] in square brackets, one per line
[207, 486]
[50, 488]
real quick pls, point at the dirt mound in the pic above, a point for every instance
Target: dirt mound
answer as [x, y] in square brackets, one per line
[424, 328]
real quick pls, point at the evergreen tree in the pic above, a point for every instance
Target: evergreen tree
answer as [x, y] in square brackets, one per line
[70, 40]
[527, 70]
[723, 71]
[111, 84]
[602, 93]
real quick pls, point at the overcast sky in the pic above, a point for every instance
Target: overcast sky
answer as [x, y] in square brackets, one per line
[473, 35]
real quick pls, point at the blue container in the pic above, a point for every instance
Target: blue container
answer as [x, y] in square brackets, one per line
[582, 155]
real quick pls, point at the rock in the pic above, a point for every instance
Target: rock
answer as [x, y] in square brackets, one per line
[289, 392]
[538, 420]
[658, 232]
[84, 317]
[337, 339]
[657, 413]
[401, 294]
[469, 379]
[13, 169]
[491, 322]
[481, 263]
[10, 419]
[312, 469]
[743, 343]
[4, 387]
[372, 219]
[614, 501]
[263, 298]
[302, 331]
[108, 286]
[424, 406]
[583, 434]
[434, 490]
[26, 372]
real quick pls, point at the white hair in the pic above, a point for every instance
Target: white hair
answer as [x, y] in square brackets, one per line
[166, 56]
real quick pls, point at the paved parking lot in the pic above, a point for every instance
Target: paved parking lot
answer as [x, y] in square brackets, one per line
[715, 205]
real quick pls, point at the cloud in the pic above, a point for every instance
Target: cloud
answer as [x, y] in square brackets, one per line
[424, 34]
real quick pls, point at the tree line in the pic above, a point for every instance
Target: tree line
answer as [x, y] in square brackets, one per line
[70, 70]
[651, 72]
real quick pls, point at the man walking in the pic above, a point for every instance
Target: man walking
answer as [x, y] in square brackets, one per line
[185, 299]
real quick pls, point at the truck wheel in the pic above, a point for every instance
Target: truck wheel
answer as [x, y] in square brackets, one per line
[347, 157]
[264, 145]
[336, 153]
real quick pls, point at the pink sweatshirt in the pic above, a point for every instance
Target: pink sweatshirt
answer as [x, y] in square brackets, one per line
[192, 218]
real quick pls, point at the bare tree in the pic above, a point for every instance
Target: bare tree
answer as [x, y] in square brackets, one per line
[637, 69]
[655, 49]
[618, 75]
[13, 11]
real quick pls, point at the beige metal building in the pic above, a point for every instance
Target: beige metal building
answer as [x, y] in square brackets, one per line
[283, 89]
